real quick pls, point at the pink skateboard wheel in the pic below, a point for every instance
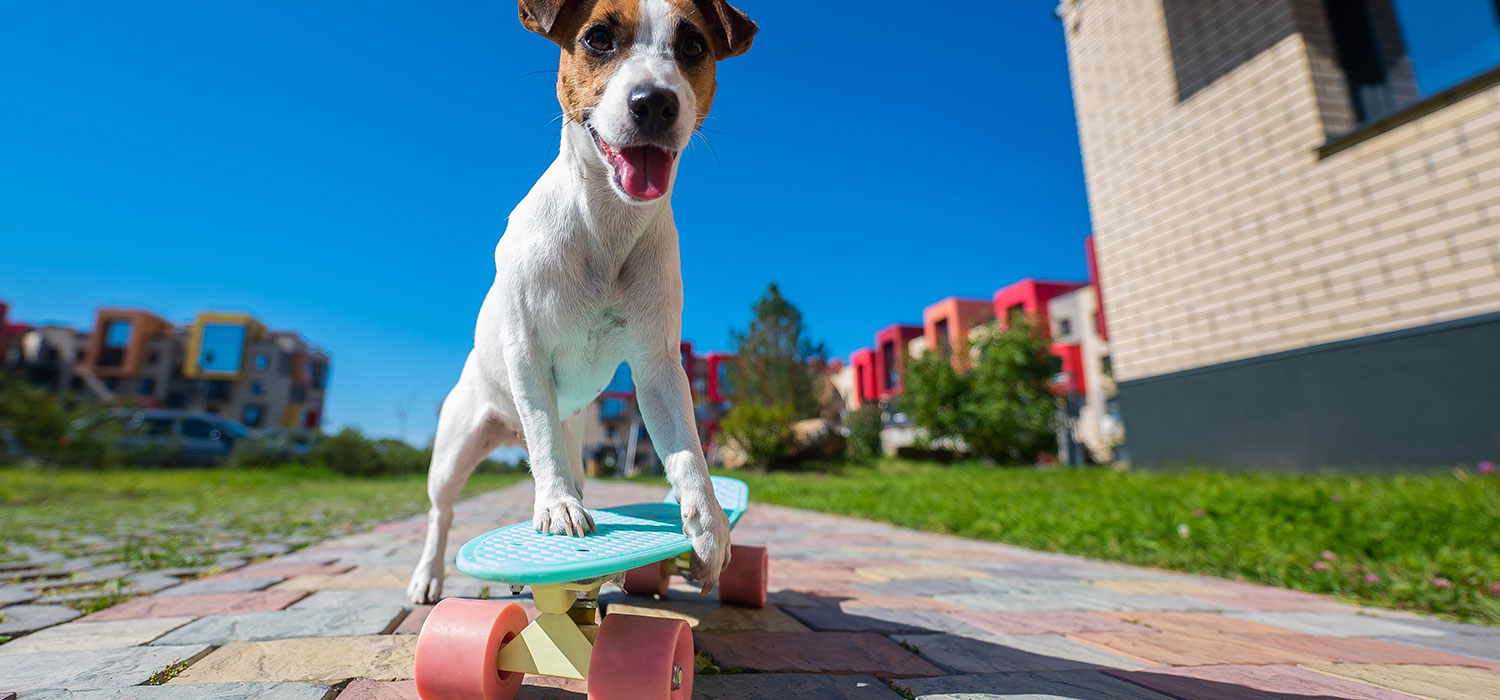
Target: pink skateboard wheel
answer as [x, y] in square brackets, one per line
[744, 581]
[641, 658]
[459, 649]
[651, 579]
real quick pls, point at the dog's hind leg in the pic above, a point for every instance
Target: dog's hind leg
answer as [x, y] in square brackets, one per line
[468, 430]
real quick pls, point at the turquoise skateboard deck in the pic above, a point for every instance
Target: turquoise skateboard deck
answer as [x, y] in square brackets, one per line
[627, 537]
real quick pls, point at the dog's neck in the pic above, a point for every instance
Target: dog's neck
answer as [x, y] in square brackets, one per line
[579, 181]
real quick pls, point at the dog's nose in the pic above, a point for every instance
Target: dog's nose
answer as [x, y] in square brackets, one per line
[654, 108]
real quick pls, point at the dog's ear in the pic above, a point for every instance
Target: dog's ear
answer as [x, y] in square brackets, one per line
[545, 16]
[733, 30]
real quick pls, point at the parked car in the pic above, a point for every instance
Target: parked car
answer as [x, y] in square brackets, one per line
[172, 437]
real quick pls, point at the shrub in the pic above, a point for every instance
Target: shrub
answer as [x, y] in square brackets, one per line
[762, 433]
[348, 452]
[1003, 409]
[864, 425]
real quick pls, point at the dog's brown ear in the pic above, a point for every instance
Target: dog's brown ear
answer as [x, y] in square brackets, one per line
[733, 29]
[545, 16]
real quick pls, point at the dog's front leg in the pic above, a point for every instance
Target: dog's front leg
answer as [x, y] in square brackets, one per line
[559, 498]
[667, 405]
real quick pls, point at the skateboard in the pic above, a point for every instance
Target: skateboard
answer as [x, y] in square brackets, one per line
[481, 649]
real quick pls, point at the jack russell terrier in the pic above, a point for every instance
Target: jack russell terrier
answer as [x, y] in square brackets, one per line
[587, 274]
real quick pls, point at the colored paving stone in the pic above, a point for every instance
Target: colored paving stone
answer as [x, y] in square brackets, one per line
[350, 599]
[352, 581]
[1487, 648]
[1337, 625]
[1177, 649]
[380, 690]
[286, 624]
[230, 585]
[712, 617]
[780, 686]
[1025, 601]
[1020, 652]
[1255, 683]
[883, 620]
[285, 571]
[89, 670]
[412, 623]
[823, 652]
[1365, 650]
[929, 586]
[199, 605]
[1162, 587]
[215, 691]
[324, 660]
[1443, 626]
[86, 636]
[20, 619]
[1189, 623]
[10, 595]
[1047, 685]
[1434, 682]
[1033, 622]
[901, 573]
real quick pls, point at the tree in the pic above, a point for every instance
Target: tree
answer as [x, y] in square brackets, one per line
[1002, 409]
[773, 368]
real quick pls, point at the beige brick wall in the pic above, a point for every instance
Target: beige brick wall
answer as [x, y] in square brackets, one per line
[1220, 232]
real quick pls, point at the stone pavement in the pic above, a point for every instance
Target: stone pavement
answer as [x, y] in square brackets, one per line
[858, 611]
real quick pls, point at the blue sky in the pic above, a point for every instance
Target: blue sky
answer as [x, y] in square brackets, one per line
[344, 168]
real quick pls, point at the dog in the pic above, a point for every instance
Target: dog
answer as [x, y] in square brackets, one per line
[587, 274]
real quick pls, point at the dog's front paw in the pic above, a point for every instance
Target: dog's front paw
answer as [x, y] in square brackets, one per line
[562, 516]
[426, 585]
[706, 526]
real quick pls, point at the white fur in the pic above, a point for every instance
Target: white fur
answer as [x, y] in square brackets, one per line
[585, 278]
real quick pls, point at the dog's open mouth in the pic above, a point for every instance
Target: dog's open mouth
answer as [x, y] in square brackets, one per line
[644, 172]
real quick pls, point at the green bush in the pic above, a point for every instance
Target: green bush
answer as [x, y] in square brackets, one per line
[864, 425]
[1003, 409]
[60, 429]
[762, 433]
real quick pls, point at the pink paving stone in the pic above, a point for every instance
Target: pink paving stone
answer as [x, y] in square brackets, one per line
[1257, 603]
[286, 570]
[1363, 650]
[199, 605]
[1034, 622]
[1255, 683]
[1177, 649]
[414, 620]
[1190, 622]
[380, 690]
[815, 652]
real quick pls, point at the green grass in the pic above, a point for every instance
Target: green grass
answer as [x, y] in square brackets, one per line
[162, 518]
[1412, 531]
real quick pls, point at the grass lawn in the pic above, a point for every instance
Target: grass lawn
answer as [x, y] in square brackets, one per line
[161, 519]
[1422, 542]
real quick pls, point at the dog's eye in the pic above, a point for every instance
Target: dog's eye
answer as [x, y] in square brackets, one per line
[693, 46]
[600, 39]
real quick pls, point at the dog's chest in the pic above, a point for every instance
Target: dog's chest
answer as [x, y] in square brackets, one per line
[588, 356]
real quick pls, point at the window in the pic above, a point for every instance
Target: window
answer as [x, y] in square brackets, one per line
[217, 391]
[148, 386]
[1016, 312]
[888, 353]
[298, 393]
[152, 358]
[198, 428]
[252, 416]
[223, 348]
[258, 388]
[116, 340]
[944, 343]
[1395, 52]
[157, 426]
[262, 361]
[1064, 327]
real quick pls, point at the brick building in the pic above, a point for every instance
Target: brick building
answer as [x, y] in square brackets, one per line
[1296, 212]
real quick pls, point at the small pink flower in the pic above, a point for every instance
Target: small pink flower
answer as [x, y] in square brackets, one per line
[1487, 467]
[1198, 513]
[1336, 498]
[1329, 556]
[1320, 566]
[1441, 582]
[1372, 578]
[1495, 588]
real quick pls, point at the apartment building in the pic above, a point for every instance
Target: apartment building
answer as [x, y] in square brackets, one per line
[1296, 214]
[227, 364]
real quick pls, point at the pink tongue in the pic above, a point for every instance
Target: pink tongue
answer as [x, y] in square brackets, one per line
[644, 171]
